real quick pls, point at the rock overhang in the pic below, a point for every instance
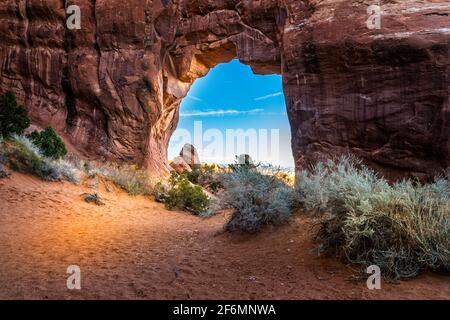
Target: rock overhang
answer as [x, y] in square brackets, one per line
[113, 88]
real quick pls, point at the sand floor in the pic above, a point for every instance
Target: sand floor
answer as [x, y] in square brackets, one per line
[133, 248]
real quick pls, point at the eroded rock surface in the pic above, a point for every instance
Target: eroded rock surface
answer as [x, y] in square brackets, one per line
[179, 165]
[190, 155]
[113, 88]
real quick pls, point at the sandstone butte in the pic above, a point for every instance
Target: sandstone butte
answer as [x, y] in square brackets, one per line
[113, 88]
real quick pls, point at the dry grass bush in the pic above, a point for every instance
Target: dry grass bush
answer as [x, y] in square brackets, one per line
[258, 199]
[132, 179]
[23, 156]
[402, 227]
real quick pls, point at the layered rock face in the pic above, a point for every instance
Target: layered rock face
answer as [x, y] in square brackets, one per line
[380, 94]
[113, 88]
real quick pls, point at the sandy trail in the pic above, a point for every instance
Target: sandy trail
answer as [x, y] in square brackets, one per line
[133, 248]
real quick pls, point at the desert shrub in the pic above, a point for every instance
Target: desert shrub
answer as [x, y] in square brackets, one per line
[24, 156]
[257, 199]
[50, 144]
[67, 170]
[207, 176]
[130, 178]
[402, 227]
[194, 175]
[13, 117]
[243, 161]
[186, 196]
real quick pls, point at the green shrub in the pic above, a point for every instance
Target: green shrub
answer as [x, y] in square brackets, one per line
[402, 228]
[184, 195]
[194, 175]
[257, 199]
[50, 144]
[13, 117]
[207, 176]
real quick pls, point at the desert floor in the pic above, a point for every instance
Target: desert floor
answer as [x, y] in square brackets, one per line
[133, 248]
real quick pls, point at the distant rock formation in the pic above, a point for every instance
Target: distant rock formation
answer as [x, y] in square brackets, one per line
[187, 159]
[180, 166]
[245, 159]
[113, 88]
[190, 155]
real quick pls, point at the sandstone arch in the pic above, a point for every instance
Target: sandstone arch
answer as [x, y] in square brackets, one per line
[114, 87]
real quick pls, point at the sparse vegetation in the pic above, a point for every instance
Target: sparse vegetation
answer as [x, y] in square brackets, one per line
[185, 195]
[130, 178]
[40, 153]
[67, 170]
[13, 117]
[50, 144]
[22, 155]
[402, 227]
[207, 176]
[258, 199]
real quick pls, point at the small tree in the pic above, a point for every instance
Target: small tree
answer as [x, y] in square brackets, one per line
[50, 143]
[13, 117]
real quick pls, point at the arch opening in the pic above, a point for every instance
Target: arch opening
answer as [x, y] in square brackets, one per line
[233, 111]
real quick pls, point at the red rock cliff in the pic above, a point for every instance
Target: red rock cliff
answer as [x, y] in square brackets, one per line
[114, 87]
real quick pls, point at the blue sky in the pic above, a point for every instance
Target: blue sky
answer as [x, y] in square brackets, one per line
[232, 97]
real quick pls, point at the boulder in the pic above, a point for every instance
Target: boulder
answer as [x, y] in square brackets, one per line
[180, 166]
[245, 159]
[190, 155]
[93, 198]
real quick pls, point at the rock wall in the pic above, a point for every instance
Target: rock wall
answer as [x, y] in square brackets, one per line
[113, 88]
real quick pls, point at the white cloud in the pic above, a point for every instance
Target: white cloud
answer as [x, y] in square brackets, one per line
[219, 113]
[276, 94]
[194, 98]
